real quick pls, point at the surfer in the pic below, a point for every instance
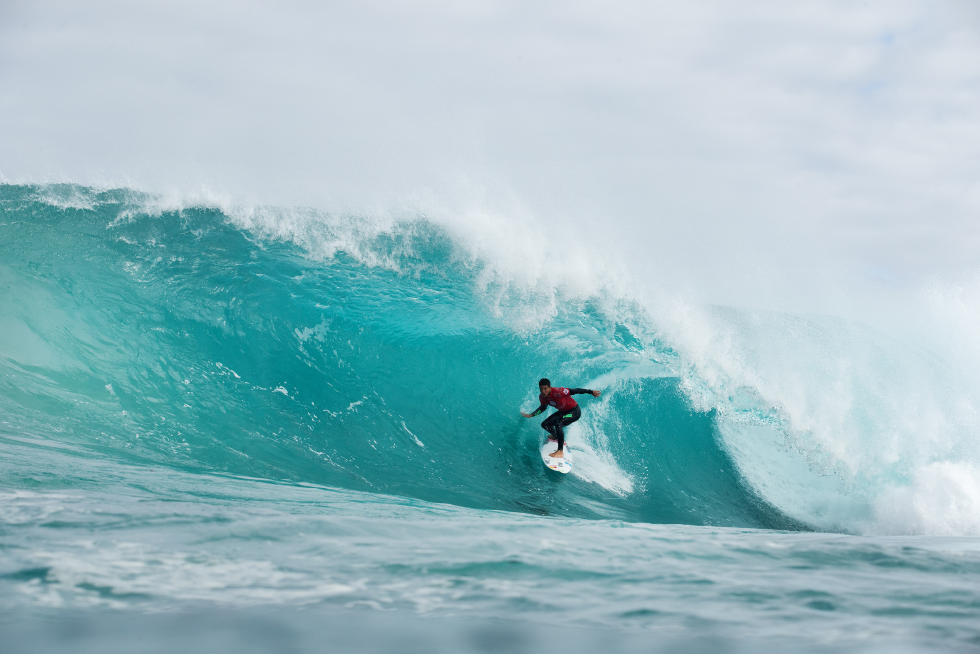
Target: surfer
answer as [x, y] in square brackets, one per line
[568, 411]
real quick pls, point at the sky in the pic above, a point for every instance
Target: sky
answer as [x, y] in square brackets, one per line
[765, 149]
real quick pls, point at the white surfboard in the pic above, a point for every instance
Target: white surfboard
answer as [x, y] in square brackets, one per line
[562, 465]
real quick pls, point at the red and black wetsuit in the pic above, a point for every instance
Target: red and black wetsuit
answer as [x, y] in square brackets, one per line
[568, 411]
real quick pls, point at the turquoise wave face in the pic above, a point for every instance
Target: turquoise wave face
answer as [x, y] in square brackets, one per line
[178, 339]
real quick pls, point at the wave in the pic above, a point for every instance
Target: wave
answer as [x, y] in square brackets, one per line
[391, 356]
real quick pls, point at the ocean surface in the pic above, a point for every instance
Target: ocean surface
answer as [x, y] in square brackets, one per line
[259, 429]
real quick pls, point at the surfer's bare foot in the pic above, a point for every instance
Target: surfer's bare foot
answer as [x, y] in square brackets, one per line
[558, 454]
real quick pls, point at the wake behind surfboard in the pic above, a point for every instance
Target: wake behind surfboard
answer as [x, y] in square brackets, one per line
[562, 465]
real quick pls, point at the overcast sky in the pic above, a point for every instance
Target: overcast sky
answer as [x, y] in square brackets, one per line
[697, 139]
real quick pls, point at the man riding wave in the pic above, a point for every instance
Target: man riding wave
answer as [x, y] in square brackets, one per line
[568, 411]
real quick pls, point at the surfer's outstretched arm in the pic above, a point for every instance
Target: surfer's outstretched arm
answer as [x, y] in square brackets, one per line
[536, 411]
[581, 391]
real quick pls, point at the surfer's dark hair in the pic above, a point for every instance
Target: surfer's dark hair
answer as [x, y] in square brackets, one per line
[544, 381]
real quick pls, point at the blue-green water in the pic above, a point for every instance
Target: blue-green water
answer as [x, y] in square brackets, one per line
[315, 420]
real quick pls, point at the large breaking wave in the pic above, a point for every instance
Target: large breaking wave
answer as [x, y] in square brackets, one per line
[387, 356]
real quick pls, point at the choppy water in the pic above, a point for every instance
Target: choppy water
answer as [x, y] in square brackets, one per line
[302, 426]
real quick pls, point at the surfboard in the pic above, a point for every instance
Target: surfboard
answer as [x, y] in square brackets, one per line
[563, 465]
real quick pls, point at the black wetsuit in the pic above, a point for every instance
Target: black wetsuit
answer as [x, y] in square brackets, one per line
[557, 421]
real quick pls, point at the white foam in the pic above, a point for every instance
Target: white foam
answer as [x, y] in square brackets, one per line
[589, 448]
[140, 568]
[598, 466]
[941, 498]
[68, 197]
[28, 507]
[825, 417]
[412, 434]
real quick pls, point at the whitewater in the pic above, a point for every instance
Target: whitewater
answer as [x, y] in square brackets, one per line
[302, 425]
